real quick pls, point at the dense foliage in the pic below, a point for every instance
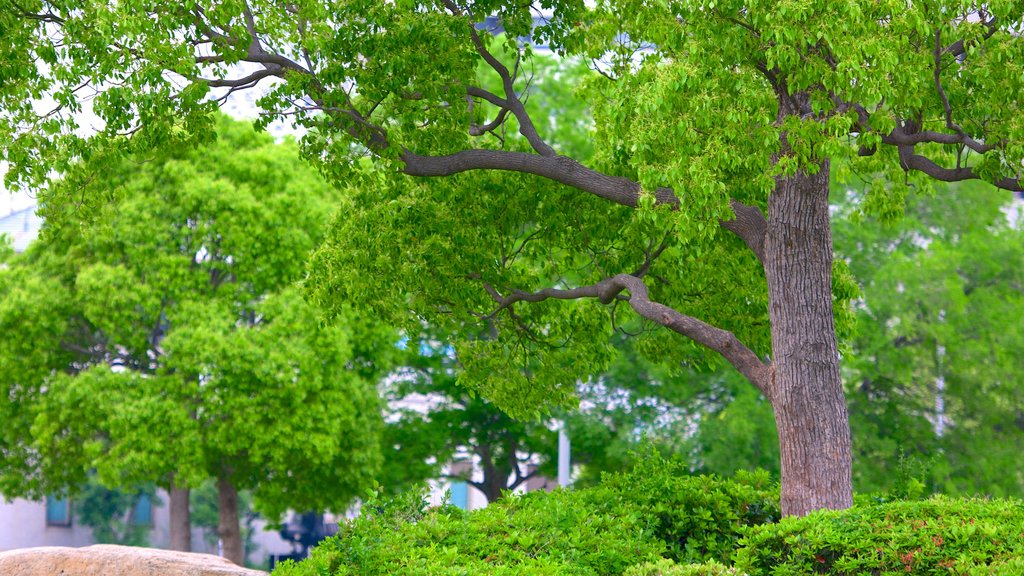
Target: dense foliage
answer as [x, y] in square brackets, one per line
[934, 370]
[154, 334]
[658, 521]
[936, 536]
[655, 510]
[707, 114]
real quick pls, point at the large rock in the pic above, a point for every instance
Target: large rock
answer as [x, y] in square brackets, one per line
[107, 560]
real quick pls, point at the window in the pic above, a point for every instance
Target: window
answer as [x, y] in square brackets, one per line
[460, 494]
[58, 511]
[142, 514]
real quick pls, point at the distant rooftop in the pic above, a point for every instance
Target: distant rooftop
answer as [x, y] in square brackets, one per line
[22, 226]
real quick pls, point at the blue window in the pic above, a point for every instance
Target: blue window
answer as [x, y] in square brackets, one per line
[142, 515]
[58, 511]
[460, 495]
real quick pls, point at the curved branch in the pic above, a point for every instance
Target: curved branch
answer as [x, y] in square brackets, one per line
[558, 168]
[750, 225]
[911, 161]
[722, 341]
[899, 137]
[512, 101]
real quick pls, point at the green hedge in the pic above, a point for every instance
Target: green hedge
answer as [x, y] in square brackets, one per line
[936, 536]
[658, 521]
[656, 510]
[666, 567]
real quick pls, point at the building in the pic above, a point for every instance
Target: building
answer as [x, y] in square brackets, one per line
[21, 226]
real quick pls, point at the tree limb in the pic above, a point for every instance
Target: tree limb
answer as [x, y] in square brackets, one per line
[722, 341]
[911, 161]
[750, 225]
[512, 101]
[558, 168]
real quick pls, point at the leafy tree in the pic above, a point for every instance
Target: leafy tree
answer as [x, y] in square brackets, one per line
[111, 513]
[713, 421]
[173, 346]
[936, 369]
[704, 210]
[204, 502]
[435, 420]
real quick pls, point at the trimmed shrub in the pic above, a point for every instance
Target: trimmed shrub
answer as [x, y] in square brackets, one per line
[666, 567]
[697, 517]
[935, 536]
[656, 510]
[557, 533]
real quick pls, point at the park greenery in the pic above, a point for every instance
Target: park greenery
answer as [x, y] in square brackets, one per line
[656, 520]
[153, 335]
[719, 233]
[700, 222]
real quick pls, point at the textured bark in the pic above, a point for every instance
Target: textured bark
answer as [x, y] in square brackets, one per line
[227, 528]
[181, 519]
[805, 388]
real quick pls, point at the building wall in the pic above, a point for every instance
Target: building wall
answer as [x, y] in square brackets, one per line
[23, 525]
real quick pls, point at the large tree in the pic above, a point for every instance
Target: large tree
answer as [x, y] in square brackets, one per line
[169, 344]
[705, 210]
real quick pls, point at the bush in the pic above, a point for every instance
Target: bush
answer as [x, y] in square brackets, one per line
[936, 536]
[667, 567]
[556, 533]
[628, 519]
[698, 518]
[658, 521]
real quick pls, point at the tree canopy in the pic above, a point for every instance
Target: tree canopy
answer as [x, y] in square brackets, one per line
[703, 210]
[166, 341]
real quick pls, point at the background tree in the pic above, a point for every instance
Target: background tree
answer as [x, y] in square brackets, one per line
[708, 115]
[935, 371]
[205, 508]
[712, 421]
[113, 514]
[183, 352]
[435, 421]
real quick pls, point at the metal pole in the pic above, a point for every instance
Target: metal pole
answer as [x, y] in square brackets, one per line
[564, 456]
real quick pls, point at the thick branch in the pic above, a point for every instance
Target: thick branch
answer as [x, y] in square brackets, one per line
[899, 137]
[911, 161]
[558, 168]
[750, 225]
[906, 136]
[722, 341]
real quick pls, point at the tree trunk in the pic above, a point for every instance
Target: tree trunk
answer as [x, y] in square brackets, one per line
[228, 527]
[181, 519]
[805, 388]
[494, 483]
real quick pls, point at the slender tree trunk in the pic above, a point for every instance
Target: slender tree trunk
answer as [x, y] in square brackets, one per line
[181, 519]
[494, 483]
[805, 388]
[228, 527]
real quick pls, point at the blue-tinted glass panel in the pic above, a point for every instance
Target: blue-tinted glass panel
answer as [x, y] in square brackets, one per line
[58, 511]
[143, 513]
[460, 495]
